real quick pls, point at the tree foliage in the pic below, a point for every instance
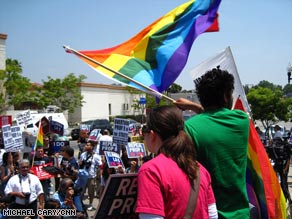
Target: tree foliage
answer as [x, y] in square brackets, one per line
[18, 90]
[174, 88]
[64, 93]
[268, 103]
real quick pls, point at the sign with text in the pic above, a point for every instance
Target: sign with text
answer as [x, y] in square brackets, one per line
[121, 131]
[94, 135]
[108, 146]
[23, 118]
[138, 138]
[135, 149]
[119, 198]
[57, 127]
[40, 173]
[8, 139]
[56, 145]
[16, 134]
[113, 159]
[5, 120]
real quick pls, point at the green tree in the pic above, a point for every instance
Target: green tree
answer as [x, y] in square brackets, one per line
[63, 93]
[15, 87]
[174, 88]
[287, 90]
[268, 104]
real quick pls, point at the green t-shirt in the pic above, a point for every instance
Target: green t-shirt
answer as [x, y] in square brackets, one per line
[221, 141]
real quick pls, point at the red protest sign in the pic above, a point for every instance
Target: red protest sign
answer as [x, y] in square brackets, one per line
[40, 173]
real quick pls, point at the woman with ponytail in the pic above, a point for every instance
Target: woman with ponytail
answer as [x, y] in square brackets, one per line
[166, 181]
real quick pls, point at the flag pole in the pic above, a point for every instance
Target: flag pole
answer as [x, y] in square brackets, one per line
[35, 144]
[154, 92]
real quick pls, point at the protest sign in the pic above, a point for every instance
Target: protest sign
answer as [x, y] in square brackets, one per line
[40, 173]
[16, 134]
[113, 159]
[121, 131]
[57, 127]
[138, 138]
[23, 118]
[56, 145]
[8, 139]
[135, 149]
[5, 120]
[108, 146]
[119, 198]
[94, 135]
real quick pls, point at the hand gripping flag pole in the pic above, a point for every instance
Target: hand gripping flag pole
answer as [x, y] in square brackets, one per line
[150, 90]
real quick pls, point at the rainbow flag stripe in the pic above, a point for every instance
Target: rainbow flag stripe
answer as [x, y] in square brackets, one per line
[40, 137]
[156, 56]
[263, 187]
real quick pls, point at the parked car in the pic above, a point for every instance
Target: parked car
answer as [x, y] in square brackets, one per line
[92, 124]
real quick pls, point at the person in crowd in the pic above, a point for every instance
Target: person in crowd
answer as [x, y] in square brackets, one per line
[166, 181]
[16, 160]
[51, 204]
[6, 170]
[220, 136]
[39, 160]
[134, 168]
[81, 141]
[124, 157]
[281, 155]
[69, 198]
[2, 151]
[26, 188]
[106, 136]
[71, 169]
[278, 134]
[90, 162]
[106, 172]
[61, 162]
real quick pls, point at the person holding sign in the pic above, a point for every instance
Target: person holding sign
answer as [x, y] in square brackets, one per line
[89, 162]
[40, 161]
[166, 182]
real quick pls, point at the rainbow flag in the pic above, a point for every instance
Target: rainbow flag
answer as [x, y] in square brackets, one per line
[264, 189]
[156, 56]
[39, 139]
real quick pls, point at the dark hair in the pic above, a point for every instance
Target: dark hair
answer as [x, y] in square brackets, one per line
[64, 185]
[5, 159]
[69, 151]
[212, 87]
[168, 123]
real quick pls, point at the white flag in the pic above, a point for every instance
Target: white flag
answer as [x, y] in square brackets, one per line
[225, 60]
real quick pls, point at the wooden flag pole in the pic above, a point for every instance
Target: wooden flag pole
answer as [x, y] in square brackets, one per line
[152, 91]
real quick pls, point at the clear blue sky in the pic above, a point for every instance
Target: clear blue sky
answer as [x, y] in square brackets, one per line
[259, 33]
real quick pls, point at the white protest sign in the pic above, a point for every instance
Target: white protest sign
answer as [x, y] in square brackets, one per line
[17, 137]
[23, 118]
[7, 139]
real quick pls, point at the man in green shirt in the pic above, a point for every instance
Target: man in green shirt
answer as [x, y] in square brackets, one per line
[220, 136]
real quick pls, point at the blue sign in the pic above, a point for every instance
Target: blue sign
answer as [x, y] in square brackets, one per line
[142, 100]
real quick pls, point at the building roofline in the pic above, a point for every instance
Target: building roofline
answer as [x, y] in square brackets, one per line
[3, 36]
[106, 86]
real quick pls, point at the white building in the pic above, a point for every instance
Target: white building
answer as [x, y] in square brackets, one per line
[103, 101]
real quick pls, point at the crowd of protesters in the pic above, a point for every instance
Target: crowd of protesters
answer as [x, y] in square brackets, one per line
[76, 177]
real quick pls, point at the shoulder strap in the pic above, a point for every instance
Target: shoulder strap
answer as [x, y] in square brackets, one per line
[193, 197]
